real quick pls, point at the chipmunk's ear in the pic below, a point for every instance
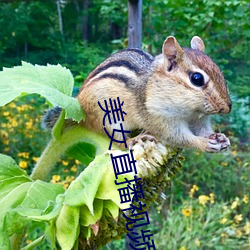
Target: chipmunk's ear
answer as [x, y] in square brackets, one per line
[197, 43]
[171, 49]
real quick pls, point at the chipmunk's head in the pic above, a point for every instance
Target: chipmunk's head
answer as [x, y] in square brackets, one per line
[198, 76]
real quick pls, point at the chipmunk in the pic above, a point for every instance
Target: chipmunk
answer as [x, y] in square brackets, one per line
[169, 97]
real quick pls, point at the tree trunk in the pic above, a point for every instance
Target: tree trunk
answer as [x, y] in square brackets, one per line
[134, 23]
[59, 16]
[85, 20]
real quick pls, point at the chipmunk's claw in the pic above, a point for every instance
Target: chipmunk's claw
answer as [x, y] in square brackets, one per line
[218, 142]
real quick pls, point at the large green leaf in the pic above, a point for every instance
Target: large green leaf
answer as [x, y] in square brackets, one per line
[83, 189]
[53, 82]
[67, 226]
[22, 200]
[39, 194]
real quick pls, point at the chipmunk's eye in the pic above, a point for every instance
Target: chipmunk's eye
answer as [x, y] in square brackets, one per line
[197, 79]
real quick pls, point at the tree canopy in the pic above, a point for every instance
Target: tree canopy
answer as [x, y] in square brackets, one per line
[81, 33]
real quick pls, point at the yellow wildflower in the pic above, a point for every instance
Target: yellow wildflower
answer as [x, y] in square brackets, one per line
[247, 227]
[193, 190]
[238, 218]
[235, 203]
[70, 178]
[245, 199]
[29, 124]
[12, 105]
[65, 185]
[203, 199]
[6, 113]
[187, 211]
[224, 164]
[4, 134]
[183, 248]
[6, 141]
[73, 168]
[6, 149]
[23, 164]
[55, 178]
[77, 162]
[211, 195]
[65, 163]
[223, 235]
[238, 233]
[223, 220]
[234, 152]
[35, 159]
[24, 154]
[14, 123]
[197, 242]
[23, 107]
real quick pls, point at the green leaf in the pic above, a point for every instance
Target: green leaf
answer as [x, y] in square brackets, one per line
[4, 240]
[14, 223]
[86, 218]
[11, 183]
[53, 82]
[39, 194]
[27, 201]
[108, 189]
[47, 216]
[9, 168]
[14, 198]
[83, 152]
[67, 226]
[50, 234]
[112, 207]
[83, 189]
[20, 198]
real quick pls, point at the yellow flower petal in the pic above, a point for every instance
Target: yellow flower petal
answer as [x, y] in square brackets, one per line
[245, 199]
[203, 199]
[187, 211]
[23, 164]
[238, 218]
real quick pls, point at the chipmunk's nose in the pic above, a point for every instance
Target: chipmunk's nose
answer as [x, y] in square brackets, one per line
[227, 108]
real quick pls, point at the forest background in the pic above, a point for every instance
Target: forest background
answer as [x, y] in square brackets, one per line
[207, 205]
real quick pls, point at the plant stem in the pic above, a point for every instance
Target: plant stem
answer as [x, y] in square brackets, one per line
[16, 240]
[57, 147]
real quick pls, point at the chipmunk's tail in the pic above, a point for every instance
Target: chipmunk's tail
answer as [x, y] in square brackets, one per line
[50, 117]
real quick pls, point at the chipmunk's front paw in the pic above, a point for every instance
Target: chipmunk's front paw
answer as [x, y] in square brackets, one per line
[218, 142]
